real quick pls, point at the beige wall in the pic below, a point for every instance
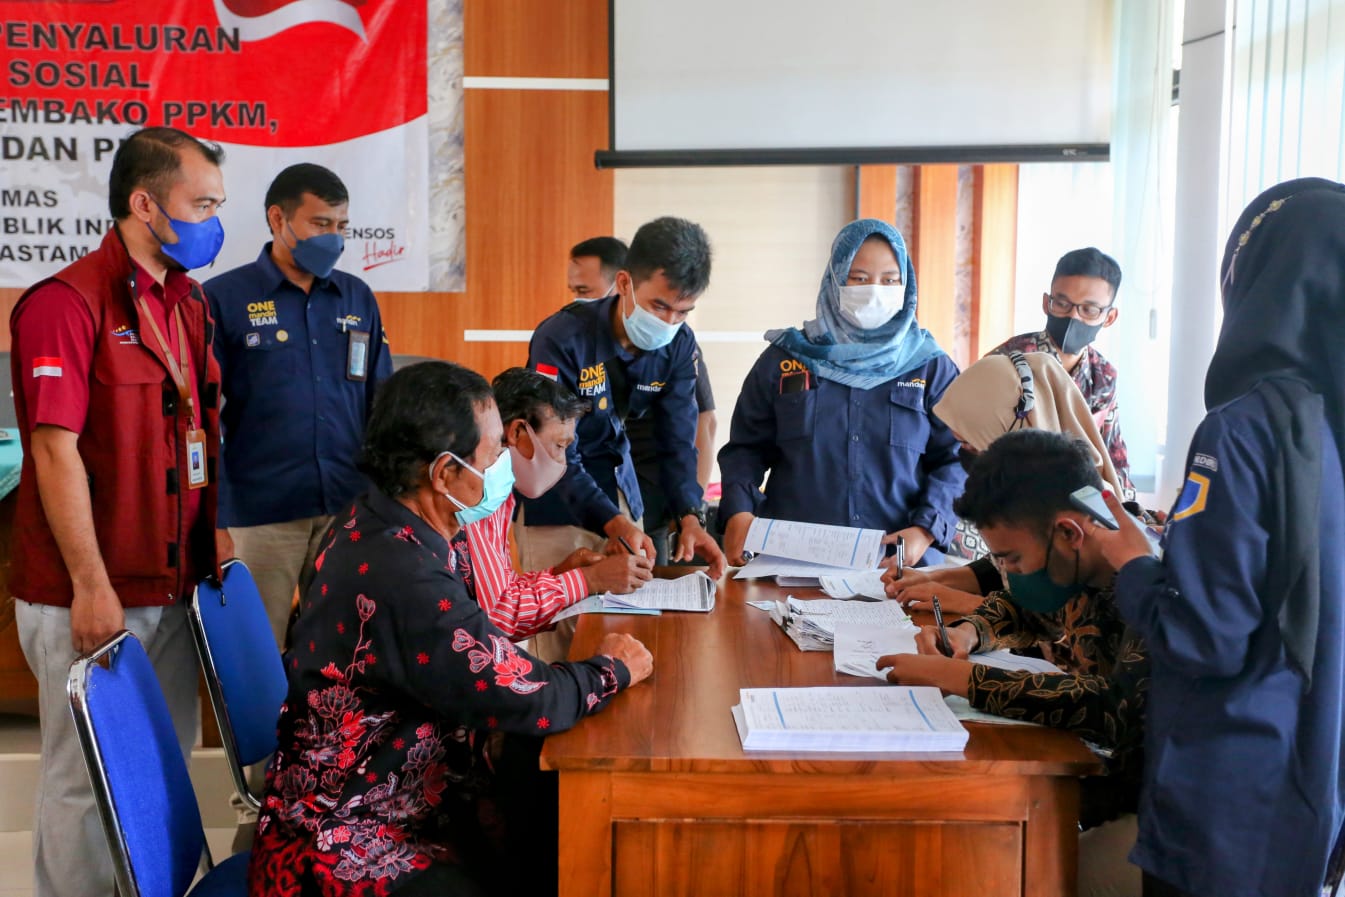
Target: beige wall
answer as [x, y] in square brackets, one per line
[770, 230]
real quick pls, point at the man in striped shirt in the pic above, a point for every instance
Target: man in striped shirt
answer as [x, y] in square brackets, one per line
[539, 418]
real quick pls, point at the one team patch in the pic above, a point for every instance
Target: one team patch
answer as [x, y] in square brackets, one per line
[1194, 495]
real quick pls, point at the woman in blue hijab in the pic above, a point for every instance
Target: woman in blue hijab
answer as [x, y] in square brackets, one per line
[838, 412]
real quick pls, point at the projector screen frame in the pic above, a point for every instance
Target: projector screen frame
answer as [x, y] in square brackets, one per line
[890, 155]
[883, 155]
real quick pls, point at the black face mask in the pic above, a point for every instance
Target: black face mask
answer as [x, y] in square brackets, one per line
[1071, 334]
[967, 457]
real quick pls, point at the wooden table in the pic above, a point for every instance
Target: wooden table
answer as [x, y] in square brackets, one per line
[657, 796]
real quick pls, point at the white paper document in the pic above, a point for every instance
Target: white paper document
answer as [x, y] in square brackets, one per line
[693, 592]
[866, 585]
[833, 546]
[1007, 660]
[812, 623]
[847, 719]
[858, 647]
[963, 710]
[593, 605]
[790, 573]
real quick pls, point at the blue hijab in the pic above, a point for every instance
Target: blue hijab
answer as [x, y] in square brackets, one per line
[835, 349]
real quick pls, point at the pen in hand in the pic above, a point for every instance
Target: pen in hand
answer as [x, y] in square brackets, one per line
[626, 545]
[945, 648]
[901, 555]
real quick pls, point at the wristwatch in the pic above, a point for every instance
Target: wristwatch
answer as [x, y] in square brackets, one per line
[698, 513]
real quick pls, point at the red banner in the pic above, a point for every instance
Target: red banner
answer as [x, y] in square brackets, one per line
[295, 79]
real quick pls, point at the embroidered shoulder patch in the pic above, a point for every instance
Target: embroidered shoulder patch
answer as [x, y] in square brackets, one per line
[1194, 495]
[1209, 462]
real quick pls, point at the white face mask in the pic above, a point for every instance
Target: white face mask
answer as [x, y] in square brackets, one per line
[535, 476]
[872, 305]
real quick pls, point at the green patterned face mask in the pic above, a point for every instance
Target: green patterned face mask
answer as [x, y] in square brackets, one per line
[1037, 592]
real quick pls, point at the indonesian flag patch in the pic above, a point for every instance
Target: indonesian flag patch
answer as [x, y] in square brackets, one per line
[47, 366]
[548, 371]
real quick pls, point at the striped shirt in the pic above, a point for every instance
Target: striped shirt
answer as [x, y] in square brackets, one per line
[521, 604]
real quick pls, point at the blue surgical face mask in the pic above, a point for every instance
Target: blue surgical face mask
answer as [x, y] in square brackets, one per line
[198, 242]
[1039, 593]
[647, 330]
[498, 480]
[317, 254]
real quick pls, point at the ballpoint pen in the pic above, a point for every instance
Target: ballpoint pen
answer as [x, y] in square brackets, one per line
[625, 544]
[945, 647]
[901, 555]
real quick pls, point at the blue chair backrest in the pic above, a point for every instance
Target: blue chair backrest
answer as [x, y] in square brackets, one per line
[140, 780]
[239, 652]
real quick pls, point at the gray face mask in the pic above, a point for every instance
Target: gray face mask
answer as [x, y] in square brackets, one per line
[1071, 334]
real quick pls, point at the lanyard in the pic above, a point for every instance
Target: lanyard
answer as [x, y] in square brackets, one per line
[175, 367]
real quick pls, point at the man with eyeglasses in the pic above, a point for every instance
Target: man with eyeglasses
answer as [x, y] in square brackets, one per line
[1082, 301]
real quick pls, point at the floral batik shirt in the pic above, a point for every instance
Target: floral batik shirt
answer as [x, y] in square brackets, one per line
[1101, 692]
[1096, 378]
[400, 689]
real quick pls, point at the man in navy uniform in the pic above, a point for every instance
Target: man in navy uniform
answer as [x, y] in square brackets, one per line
[631, 356]
[302, 350]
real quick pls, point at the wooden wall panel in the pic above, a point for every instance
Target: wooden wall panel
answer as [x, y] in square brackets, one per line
[994, 255]
[877, 192]
[933, 245]
[535, 39]
[532, 193]
[8, 299]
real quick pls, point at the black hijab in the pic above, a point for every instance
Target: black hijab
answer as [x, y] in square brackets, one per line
[1283, 278]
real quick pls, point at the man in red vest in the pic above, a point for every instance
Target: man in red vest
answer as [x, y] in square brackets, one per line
[116, 391]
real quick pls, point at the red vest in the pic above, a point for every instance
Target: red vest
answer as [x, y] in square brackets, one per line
[133, 446]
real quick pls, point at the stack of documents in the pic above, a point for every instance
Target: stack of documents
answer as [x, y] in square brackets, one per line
[799, 554]
[812, 624]
[693, 592]
[847, 719]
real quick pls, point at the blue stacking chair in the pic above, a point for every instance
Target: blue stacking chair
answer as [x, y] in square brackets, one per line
[140, 781]
[243, 670]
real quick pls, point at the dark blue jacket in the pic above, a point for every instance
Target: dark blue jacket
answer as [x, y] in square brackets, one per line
[1243, 790]
[875, 458]
[577, 347]
[293, 420]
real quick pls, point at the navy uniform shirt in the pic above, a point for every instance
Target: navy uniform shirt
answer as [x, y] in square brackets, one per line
[875, 458]
[293, 419]
[644, 452]
[1243, 792]
[576, 347]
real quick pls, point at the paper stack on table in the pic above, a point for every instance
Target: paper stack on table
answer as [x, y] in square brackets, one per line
[693, 592]
[799, 554]
[847, 719]
[812, 623]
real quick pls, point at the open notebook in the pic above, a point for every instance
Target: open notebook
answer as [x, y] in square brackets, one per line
[798, 554]
[900, 718]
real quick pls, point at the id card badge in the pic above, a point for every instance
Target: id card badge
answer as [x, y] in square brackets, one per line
[357, 355]
[196, 473]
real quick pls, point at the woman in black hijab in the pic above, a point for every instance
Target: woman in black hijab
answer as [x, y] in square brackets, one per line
[1244, 790]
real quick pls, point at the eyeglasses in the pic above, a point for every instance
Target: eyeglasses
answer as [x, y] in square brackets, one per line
[1087, 311]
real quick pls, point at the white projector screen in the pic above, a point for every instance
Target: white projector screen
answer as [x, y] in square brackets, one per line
[984, 79]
